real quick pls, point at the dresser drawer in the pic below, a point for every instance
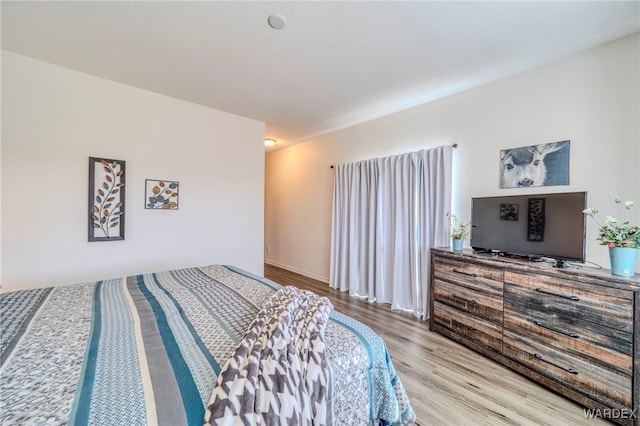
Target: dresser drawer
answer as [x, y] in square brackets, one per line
[476, 300]
[608, 386]
[575, 336]
[485, 278]
[468, 325]
[606, 306]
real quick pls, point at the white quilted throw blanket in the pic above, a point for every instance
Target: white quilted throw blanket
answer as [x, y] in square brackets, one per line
[278, 374]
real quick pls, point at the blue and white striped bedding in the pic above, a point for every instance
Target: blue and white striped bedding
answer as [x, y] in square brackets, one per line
[146, 350]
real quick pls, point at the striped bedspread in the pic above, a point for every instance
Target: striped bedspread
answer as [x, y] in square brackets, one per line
[147, 349]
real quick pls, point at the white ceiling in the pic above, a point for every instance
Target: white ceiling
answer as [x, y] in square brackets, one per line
[335, 64]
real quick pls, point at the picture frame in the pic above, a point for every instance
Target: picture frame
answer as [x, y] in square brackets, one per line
[106, 216]
[509, 212]
[161, 194]
[536, 219]
[535, 165]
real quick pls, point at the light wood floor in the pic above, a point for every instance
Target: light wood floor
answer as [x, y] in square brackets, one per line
[447, 383]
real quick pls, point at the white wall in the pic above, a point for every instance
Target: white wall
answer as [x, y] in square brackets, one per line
[55, 118]
[591, 98]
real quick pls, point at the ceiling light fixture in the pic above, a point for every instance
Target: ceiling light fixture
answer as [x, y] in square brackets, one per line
[276, 21]
[269, 142]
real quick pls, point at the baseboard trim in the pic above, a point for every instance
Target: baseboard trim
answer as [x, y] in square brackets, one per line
[298, 271]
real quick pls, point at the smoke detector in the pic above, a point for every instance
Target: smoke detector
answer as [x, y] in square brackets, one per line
[276, 21]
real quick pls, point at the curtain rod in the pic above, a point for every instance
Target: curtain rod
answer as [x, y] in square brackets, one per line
[455, 145]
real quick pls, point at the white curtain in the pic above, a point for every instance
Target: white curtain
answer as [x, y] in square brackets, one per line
[387, 214]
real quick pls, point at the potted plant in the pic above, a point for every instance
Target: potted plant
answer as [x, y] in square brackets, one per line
[622, 238]
[459, 231]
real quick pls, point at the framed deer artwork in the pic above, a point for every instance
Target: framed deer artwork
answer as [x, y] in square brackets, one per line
[535, 165]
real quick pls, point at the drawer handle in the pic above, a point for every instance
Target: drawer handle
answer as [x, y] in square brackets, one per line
[553, 293]
[568, 370]
[472, 301]
[464, 273]
[557, 330]
[470, 327]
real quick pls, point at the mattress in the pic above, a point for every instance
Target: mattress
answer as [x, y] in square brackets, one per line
[147, 350]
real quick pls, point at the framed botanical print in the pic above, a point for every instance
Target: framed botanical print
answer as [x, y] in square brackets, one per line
[106, 199]
[161, 194]
[536, 219]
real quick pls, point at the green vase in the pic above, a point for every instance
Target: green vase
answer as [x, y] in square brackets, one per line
[623, 260]
[457, 244]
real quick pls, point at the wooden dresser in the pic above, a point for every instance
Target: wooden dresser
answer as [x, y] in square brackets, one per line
[574, 330]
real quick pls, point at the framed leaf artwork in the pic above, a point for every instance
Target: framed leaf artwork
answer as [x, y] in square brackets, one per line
[106, 199]
[161, 194]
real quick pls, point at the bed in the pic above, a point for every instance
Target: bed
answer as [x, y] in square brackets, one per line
[159, 349]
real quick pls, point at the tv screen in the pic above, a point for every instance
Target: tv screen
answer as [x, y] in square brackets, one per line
[538, 225]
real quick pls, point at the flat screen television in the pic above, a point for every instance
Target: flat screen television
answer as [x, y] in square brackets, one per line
[535, 225]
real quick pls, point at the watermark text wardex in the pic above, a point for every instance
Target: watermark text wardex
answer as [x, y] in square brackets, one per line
[611, 413]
